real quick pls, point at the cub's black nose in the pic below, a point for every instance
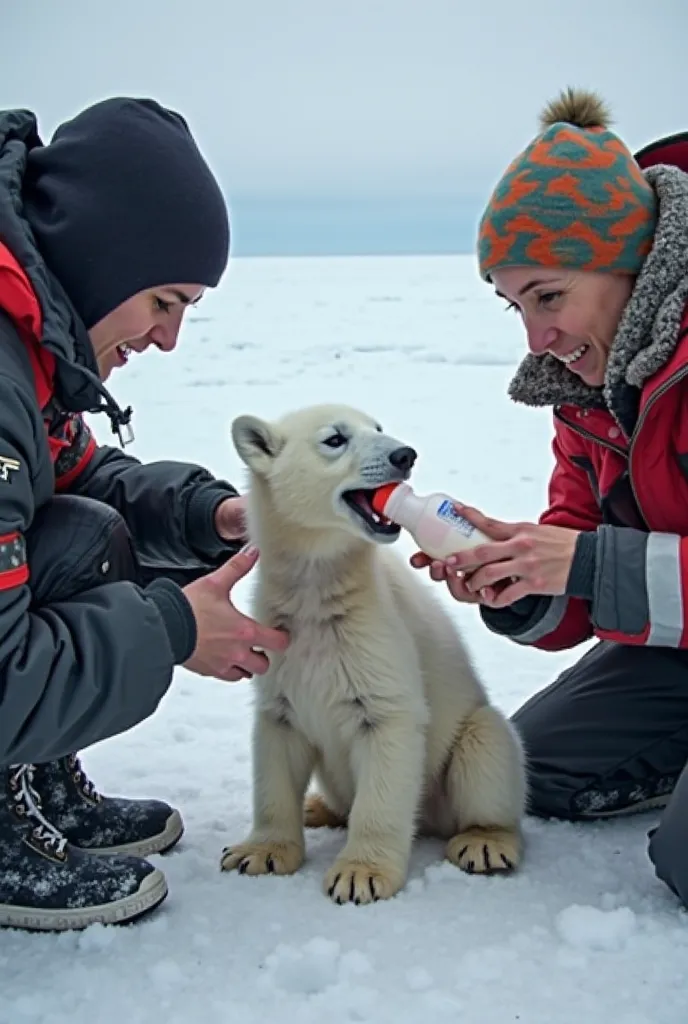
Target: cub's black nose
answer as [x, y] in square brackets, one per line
[403, 459]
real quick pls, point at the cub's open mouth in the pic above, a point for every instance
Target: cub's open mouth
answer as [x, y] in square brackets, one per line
[360, 503]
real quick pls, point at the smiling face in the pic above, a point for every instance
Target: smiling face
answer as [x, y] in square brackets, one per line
[571, 314]
[153, 317]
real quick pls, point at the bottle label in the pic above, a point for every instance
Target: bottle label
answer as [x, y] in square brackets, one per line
[447, 511]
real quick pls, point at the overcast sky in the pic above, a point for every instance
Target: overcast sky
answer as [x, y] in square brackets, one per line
[352, 125]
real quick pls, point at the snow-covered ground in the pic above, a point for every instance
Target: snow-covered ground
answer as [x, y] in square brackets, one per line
[582, 933]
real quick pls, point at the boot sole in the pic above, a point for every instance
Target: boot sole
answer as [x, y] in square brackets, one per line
[651, 804]
[164, 841]
[151, 893]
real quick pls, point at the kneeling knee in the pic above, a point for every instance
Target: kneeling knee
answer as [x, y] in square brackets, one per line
[549, 797]
[75, 543]
[670, 862]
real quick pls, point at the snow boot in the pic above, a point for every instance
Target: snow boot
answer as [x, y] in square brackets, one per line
[48, 885]
[103, 824]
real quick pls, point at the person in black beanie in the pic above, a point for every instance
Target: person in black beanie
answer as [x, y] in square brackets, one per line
[111, 572]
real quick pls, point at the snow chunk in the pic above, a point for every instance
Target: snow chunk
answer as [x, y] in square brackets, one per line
[587, 927]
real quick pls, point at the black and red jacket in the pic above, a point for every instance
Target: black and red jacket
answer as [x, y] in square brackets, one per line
[100, 662]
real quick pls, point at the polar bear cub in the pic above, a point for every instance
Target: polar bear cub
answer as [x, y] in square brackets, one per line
[375, 698]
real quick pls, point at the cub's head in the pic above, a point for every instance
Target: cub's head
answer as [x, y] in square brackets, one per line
[314, 471]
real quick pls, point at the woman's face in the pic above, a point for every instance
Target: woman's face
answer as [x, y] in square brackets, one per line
[572, 314]
[153, 317]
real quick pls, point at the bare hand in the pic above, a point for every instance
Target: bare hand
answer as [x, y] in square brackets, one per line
[227, 639]
[230, 518]
[441, 572]
[521, 559]
[445, 571]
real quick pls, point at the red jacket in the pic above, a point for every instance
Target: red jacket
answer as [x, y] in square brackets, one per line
[591, 457]
[621, 454]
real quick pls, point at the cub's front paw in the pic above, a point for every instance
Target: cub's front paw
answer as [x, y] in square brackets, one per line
[269, 858]
[485, 851]
[350, 881]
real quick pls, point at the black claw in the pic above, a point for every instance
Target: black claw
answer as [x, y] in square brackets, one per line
[461, 852]
[243, 866]
[371, 886]
[352, 889]
[270, 864]
[507, 862]
[486, 857]
[470, 867]
[330, 891]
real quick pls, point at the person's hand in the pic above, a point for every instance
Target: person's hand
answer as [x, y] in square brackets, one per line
[227, 639]
[230, 518]
[518, 560]
[446, 572]
[441, 572]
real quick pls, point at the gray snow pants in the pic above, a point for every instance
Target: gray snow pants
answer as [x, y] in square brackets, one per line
[609, 737]
[74, 544]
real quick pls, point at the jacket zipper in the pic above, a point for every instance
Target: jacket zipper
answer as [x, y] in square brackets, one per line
[594, 437]
[678, 376]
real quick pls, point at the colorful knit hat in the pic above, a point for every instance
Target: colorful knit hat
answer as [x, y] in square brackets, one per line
[574, 197]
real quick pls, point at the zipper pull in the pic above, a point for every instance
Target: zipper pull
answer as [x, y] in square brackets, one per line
[125, 433]
[121, 425]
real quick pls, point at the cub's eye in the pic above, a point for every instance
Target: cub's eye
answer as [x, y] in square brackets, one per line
[335, 441]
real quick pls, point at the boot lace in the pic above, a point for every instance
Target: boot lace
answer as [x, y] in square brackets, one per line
[26, 802]
[81, 779]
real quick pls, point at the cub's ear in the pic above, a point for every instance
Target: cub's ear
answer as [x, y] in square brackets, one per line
[257, 442]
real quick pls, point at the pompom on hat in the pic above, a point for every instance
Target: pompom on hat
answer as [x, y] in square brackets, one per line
[575, 197]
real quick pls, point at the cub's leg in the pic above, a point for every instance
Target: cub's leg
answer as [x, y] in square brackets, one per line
[486, 783]
[282, 764]
[388, 761]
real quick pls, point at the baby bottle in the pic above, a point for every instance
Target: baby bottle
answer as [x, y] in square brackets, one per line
[432, 520]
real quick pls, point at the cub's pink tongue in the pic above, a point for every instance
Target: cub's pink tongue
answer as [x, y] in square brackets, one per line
[361, 500]
[380, 498]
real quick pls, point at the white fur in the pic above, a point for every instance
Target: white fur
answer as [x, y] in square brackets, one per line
[375, 698]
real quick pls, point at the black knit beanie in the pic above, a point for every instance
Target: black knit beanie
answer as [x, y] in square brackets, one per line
[122, 200]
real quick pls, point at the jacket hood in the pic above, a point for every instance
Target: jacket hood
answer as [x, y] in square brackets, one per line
[78, 387]
[648, 331]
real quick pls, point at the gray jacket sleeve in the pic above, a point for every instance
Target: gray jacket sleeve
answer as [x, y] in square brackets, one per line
[526, 621]
[75, 671]
[631, 582]
[637, 587]
[169, 508]
[534, 617]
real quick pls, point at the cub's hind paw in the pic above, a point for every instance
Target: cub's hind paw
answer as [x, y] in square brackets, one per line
[317, 814]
